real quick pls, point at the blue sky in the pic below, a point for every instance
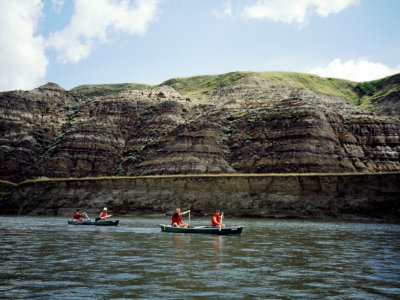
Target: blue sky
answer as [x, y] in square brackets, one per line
[149, 41]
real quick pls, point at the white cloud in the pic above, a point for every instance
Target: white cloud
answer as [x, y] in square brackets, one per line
[356, 70]
[294, 11]
[94, 20]
[226, 11]
[22, 59]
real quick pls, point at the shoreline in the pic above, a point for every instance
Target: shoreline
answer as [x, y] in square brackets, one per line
[344, 196]
[45, 179]
[202, 218]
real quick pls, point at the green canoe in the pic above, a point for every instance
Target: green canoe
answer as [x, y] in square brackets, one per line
[202, 229]
[96, 223]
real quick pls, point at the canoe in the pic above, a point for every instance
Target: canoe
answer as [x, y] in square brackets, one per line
[202, 229]
[98, 223]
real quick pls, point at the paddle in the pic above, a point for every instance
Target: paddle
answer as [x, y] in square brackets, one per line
[87, 217]
[220, 221]
[189, 220]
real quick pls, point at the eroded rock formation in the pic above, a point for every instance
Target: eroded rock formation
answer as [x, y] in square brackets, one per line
[247, 125]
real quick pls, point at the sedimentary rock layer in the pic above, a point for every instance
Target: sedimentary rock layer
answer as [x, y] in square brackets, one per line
[294, 196]
[244, 124]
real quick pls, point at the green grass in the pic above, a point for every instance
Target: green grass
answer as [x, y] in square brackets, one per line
[6, 182]
[107, 89]
[233, 175]
[372, 92]
[329, 86]
[201, 87]
[367, 94]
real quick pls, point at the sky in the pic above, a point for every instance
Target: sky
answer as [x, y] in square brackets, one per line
[74, 42]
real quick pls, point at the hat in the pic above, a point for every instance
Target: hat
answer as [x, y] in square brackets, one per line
[105, 208]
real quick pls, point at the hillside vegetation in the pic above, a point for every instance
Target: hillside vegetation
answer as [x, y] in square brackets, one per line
[107, 89]
[329, 86]
[203, 86]
[382, 94]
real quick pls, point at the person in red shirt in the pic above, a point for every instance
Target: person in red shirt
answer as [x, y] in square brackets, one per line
[79, 215]
[103, 215]
[177, 218]
[216, 219]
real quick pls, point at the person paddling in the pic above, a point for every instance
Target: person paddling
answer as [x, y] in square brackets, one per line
[177, 218]
[79, 215]
[216, 219]
[103, 215]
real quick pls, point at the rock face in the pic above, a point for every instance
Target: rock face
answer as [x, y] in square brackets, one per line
[236, 122]
[30, 123]
[275, 196]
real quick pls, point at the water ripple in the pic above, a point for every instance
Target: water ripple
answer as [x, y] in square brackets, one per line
[44, 258]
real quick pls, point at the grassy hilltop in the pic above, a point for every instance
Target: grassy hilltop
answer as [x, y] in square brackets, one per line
[107, 89]
[367, 94]
[205, 85]
[379, 93]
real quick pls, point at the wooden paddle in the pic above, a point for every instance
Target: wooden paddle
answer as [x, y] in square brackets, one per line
[220, 221]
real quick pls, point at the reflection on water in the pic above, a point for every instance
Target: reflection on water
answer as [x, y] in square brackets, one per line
[177, 240]
[217, 243]
[47, 259]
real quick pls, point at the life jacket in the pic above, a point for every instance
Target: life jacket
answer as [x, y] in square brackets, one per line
[103, 215]
[176, 218]
[217, 218]
[76, 216]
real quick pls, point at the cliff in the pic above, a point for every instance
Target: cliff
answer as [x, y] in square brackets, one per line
[232, 123]
[345, 196]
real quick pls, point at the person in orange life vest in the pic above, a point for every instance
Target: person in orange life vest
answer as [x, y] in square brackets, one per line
[177, 218]
[216, 219]
[103, 215]
[79, 215]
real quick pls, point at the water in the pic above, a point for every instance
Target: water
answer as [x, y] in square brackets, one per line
[45, 258]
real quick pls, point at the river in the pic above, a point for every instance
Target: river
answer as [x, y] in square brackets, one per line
[45, 258]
